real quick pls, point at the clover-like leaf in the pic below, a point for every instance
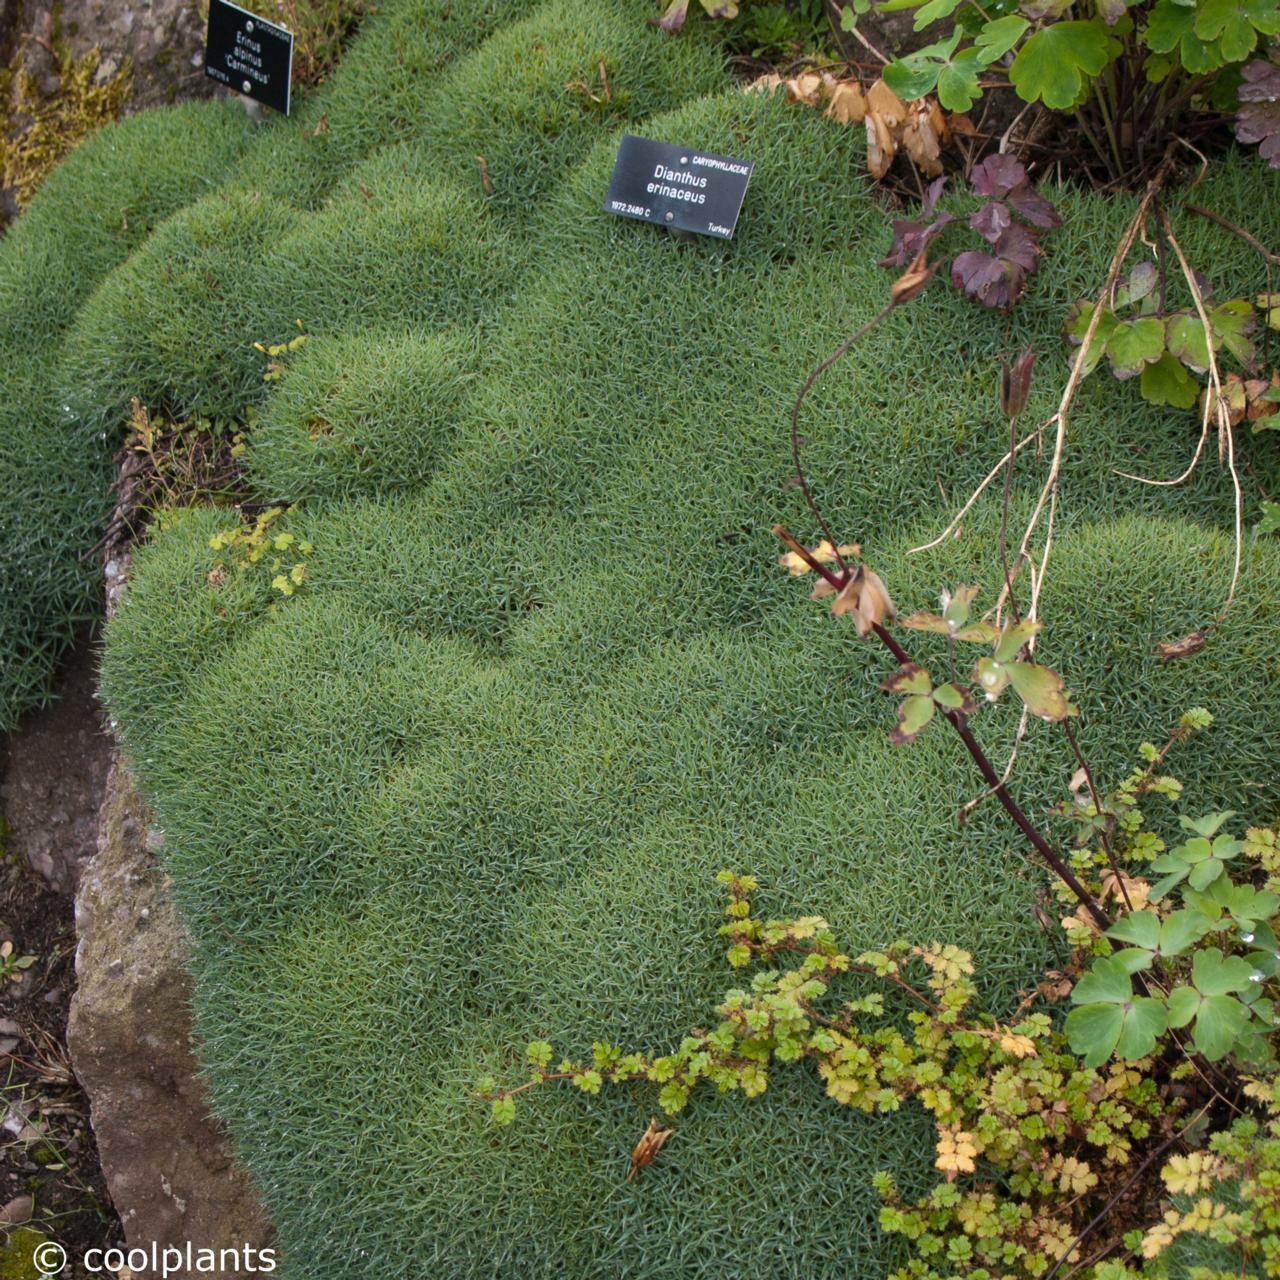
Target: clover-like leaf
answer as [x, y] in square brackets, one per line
[1133, 344]
[1076, 325]
[1052, 65]
[1110, 1018]
[1219, 1017]
[1167, 382]
[1231, 323]
[1150, 937]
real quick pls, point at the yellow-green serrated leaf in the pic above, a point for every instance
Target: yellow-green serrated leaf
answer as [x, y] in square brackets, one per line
[913, 715]
[1012, 639]
[910, 678]
[1040, 688]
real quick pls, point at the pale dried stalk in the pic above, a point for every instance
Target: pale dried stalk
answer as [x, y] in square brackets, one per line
[1213, 400]
[977, 493]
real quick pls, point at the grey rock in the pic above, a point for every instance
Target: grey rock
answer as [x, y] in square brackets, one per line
[167, 1162]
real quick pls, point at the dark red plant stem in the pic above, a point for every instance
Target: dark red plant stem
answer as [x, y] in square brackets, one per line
[1097, 808]
[961, 726]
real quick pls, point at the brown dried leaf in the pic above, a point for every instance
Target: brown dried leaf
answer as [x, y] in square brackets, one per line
[651, 1142]
[867, 599]
[882, 145]
[767, 84]
[1184, 647]
[805, 88]
[924, 134]
[912, 281]
[886, 104]
[848, 103]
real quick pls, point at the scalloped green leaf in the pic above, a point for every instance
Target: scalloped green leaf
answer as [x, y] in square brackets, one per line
[1040, 688]
[1214, 974]
[1135, 344]
[1052, 65]
[1167, 382]
[1185, 337]
[1232, 322]
[1076, 325]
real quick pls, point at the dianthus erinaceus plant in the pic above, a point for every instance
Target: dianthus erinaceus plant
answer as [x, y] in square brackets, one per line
[454, 701]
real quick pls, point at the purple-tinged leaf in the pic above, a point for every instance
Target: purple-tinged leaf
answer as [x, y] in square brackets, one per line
[990, 220]
[1033, 206]
[1260, 121]
[1260, 82]
[994, 282]
[1019, 246]
[997, 175]
[673, 17]
[910, 237]
[932, 195]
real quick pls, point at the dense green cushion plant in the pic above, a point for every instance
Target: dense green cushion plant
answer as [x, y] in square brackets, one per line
[470, 783]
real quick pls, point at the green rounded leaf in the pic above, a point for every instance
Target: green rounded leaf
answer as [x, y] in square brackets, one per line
[1183, 1005]
[1167, 382]
[1106, 982]
[1218, 1025]
[1093, 1031]
[1145, 1021]
[1142, 928]
[1052, 65]
[1134, 344]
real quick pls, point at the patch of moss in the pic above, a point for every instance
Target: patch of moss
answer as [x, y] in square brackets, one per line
[37, 129]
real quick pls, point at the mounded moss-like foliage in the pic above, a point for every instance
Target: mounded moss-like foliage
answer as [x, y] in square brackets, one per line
[470, 784]
[367, 413]
[90, 214]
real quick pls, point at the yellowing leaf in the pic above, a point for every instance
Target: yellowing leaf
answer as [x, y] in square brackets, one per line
[824, 553]
[1018, 1046]
[956, 1154]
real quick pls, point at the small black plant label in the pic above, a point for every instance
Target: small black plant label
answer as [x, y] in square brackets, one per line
[249, 54]
[677, 187]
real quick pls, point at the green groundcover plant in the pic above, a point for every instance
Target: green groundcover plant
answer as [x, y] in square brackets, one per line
[469, 782]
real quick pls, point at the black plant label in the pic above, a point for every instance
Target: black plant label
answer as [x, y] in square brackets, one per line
[249, 54]
[677, 187]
